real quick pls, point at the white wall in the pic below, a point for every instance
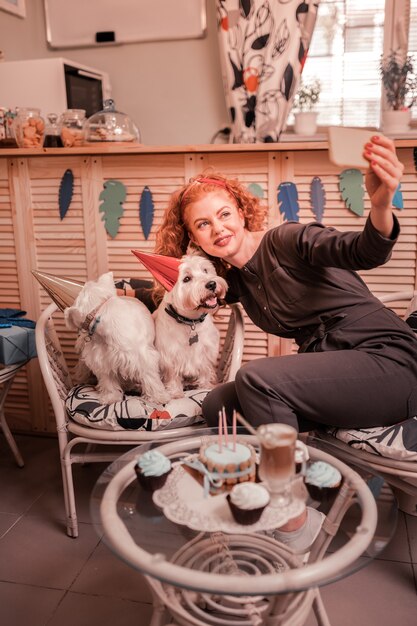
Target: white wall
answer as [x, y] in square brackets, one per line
[171, 89]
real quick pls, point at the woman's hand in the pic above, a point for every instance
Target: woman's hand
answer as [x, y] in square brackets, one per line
[382, 179]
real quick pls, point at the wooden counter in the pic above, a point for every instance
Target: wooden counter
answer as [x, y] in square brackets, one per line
[33, 236]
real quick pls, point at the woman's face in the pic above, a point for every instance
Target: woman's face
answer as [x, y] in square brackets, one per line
[216, 224]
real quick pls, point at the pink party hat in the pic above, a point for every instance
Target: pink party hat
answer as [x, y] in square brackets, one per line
[163, 268]
[63, 291]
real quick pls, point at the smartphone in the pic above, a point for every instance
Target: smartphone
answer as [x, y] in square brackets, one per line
[346, 145]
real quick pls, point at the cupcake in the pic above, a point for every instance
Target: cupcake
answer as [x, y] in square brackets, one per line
[247, 501]
[152, 469]
[322, 481]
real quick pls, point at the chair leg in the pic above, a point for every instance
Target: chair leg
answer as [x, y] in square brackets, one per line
[69, 497]
[406, 501]
[5, 427]
[319, 610]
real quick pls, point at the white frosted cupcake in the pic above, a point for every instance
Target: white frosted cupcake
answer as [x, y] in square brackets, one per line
[322, 481]
[247, 501]
[152, 469]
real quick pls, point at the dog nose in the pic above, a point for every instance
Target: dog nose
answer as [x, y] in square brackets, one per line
[211, 285]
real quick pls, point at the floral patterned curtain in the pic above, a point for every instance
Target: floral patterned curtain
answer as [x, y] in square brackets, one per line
[263, 47]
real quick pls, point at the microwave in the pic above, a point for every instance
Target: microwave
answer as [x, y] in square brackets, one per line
[53, 85]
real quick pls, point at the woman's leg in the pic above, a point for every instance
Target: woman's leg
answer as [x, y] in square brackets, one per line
[222, 396]
[345, 388]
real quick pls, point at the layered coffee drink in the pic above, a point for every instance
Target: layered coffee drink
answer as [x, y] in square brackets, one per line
[277, 456]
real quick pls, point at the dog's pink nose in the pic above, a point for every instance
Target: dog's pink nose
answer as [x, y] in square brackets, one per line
[211, 285]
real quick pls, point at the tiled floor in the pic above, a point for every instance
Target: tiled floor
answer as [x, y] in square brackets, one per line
[49, 579]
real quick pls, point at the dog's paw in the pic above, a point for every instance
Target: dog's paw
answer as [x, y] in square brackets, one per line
[161, 398]
[175, 390]
[110, 397]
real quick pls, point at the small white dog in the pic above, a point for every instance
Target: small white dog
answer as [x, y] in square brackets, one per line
[186, 336]
[116, 341]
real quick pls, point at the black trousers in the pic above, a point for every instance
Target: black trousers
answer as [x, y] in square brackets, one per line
[344, 388]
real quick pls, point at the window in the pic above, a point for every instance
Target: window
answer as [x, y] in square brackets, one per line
[412, 44]
[345, 52]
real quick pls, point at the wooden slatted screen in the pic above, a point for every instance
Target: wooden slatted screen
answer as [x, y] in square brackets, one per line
[32, 235]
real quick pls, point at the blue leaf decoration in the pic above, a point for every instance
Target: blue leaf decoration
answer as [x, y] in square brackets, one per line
[256, 190]
[317, 198]
[146, 211]
[113, 196]
[288, 201]
[352, 190]
[66, 189]
[397, 200]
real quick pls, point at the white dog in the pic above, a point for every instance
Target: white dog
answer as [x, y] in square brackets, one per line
[186, 336]
[116, 341]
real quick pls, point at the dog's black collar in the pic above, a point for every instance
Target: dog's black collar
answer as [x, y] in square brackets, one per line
[184, 320]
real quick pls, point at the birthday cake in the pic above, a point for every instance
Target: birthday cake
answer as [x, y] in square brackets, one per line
[228, 464]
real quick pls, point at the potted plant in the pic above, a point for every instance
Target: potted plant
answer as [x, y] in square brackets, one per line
[400, 87]
[305, 119]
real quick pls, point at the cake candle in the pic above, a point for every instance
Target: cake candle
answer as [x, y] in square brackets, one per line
[226, 435]
[234, 430]
[220, 434]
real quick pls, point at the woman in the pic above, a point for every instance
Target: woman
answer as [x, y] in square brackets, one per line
[357, 361]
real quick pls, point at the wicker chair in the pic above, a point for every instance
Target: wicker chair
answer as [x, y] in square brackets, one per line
[58, 382]
[400, 474]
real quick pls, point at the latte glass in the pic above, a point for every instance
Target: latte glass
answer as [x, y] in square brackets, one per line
[277, 460]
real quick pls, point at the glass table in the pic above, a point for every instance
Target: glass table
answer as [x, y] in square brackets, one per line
[221, 573]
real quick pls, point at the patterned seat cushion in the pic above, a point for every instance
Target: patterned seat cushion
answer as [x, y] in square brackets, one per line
[133, 413]
[396, 442]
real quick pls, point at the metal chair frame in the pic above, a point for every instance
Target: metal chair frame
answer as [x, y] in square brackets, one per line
[58, 383]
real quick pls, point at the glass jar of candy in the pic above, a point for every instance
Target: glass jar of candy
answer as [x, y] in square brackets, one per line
[73, 127]
[52, 132]
[29, 128]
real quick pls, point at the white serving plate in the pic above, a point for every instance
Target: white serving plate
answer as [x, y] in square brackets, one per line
[183, 501]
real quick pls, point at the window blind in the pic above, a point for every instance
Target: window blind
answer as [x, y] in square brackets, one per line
[344, 55]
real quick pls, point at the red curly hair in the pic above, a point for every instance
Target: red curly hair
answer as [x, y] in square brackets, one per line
[172, 237]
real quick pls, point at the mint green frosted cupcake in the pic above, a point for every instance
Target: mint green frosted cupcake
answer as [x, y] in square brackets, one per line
[152, 469]
[322, 481]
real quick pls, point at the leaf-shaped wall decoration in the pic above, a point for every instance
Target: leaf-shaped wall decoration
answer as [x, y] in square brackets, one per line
[317, 198]
[146, 211]
[112, 196]
[352, 190]
[256, 190]
[66, 189]
[415, 158]
[288, 201]
[397, 200]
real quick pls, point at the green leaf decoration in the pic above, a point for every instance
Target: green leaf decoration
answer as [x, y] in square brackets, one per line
[112, 196]
[352, 190]
[256, 190]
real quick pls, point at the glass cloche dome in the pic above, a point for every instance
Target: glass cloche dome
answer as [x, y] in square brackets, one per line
[111, 125]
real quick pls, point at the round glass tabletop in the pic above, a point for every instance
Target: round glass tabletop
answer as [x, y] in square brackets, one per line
[159, 540]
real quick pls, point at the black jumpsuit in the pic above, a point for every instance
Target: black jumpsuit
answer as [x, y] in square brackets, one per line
[357, 360]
